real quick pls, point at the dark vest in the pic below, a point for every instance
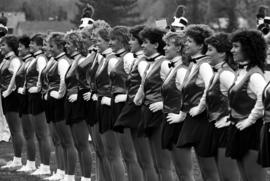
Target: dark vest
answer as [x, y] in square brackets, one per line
[92, 72]
[5, 74]
[32, 73]
[217, 103]
[102, 78]
[84, 76]
[192, 92]
[170, 93]
[153, 83]
[118, 77]
[266, 103]
[134, 80]
[20, 75]
[44, 78]
[240, 102]
[53, 76]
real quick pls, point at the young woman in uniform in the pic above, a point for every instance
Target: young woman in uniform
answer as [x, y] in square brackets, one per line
[214, 141]
[171, 95]
[75, 105]
[245, 100]
[36, 104]
[27, 124]
[8, 71]
[59, 152]
[152, 104]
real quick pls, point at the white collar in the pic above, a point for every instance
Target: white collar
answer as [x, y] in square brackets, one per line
[9, 54]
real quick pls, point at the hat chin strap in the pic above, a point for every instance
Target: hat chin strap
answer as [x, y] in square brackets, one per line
[2, 26]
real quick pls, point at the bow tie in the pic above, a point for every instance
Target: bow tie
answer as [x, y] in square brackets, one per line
[194, 60]
[242, 66]
[103, 55]
[152, 59]
[135, 55]
[93, 49]
[215, 69]
[171, 65]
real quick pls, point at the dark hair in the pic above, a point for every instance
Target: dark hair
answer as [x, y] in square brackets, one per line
[38, 38]
[154, 35]
[253, 46]
[223, 44]
[135, 30]
[121, 33]
[199, 32]
[58, 39]
[24, 40]
[12, 42]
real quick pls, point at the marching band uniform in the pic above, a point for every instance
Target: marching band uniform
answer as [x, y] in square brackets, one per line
[245, 99]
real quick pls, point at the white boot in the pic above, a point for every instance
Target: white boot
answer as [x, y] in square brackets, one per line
[30, 166]
[16, 162]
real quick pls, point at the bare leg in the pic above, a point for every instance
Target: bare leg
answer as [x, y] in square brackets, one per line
[161, 157]
[29, 135]
[80, 133]
[227, 167]
[42, 134]
[253, 170]
[113, 153]
[103, 166]
[59, 152]
[68, 146]
[129, 155]
[15, 127]
[182, 159]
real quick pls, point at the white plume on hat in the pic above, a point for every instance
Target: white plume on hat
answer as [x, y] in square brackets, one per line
[86, 20]
[3, 24]
[179, 20]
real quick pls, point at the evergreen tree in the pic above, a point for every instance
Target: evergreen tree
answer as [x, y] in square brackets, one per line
[115, 12]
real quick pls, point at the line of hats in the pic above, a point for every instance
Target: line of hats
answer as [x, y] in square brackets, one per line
[179, 23]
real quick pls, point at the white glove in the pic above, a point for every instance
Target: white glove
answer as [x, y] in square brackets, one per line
[176, 118]
[6, 93]
[46, 97]
[156, 106]
[195, 111]
[34, 90]
[94, 97]
[120, 98]
[223, 122]
[87, 96]
[73, 97]
[241, 125]
[106, 101]
[54, 94]
[21, 90]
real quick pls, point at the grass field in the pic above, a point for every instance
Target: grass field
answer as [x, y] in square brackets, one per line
[6, 154]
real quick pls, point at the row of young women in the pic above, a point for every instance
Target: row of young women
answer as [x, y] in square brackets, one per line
[146, 97]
